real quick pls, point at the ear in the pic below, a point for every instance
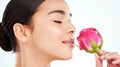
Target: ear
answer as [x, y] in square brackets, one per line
[21, 33]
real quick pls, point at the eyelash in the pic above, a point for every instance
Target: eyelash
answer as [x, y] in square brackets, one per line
[57, 21]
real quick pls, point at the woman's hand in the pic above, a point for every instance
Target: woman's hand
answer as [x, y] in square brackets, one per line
[112, 58]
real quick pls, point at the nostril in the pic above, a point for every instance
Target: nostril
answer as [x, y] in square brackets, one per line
[71, 31]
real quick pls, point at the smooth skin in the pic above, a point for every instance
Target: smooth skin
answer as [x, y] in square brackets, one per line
[48, 37]
[112, 58]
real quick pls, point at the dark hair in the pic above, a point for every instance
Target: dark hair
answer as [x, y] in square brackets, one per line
[19, 11]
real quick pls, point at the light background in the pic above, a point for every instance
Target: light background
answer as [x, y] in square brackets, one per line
[101, 14]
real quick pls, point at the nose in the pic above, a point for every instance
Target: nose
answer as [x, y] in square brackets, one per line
[71, 29]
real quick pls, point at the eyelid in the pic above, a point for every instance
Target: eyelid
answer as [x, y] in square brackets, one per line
[57, 21]
[55, 16]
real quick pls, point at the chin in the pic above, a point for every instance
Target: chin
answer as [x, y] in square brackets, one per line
[66, 56]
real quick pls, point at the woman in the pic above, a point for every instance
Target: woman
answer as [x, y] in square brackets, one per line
[40, 31]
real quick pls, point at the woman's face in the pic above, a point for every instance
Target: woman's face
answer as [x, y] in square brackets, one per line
[53, 33]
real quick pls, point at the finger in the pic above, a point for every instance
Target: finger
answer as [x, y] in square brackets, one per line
[116, 62]
[98, 61]
[102, 52]
[111, 56]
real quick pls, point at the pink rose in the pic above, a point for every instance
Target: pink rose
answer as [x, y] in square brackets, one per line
[90, 40]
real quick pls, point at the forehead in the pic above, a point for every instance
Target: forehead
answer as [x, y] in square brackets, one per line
[49, 5]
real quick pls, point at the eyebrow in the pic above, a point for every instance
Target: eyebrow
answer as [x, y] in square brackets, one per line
[58, 11]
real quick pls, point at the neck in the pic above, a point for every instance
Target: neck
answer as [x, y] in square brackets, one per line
[31, 60]
[18, 60]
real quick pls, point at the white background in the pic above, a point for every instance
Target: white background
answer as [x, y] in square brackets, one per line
[101, 14]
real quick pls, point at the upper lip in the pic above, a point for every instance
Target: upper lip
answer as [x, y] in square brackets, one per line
[69, 42]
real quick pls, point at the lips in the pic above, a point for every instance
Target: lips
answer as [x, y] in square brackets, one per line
[69, 42]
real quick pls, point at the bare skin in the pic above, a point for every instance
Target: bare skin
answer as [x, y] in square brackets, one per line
[112, 58]
[49, 37]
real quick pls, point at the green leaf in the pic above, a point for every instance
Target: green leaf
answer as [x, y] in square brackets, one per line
[100, 46]
[94, 45]
[96, 49]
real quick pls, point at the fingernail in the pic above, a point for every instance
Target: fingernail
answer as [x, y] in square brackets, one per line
[108, 56]
[100, 51]
[102, 57]
[113, 62]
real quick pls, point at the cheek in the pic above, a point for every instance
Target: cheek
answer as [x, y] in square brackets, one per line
[56, 32]
[51, 33]
[47, 38]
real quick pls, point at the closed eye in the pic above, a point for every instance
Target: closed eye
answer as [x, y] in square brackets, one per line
[57, 21]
